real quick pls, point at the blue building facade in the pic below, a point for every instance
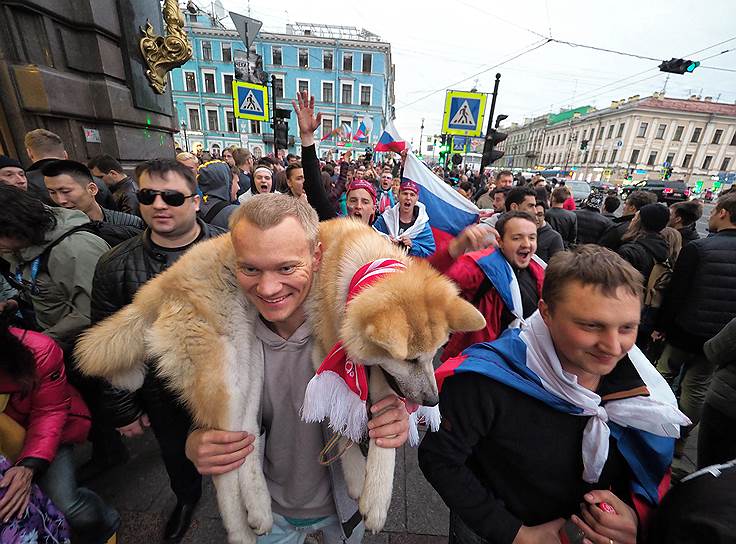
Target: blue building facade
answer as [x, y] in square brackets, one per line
[348, 70]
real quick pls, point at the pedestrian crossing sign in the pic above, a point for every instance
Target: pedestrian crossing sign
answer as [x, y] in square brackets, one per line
[464, 113]
[250, 101]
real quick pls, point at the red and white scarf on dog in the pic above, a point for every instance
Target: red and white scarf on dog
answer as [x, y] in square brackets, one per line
[339, 389]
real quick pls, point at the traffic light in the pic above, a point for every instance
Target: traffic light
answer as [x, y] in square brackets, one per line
[457, 159]
[666, 172]
[491, 155]
[679, 66]
[281, 134]
[584, 145]
[446, 142]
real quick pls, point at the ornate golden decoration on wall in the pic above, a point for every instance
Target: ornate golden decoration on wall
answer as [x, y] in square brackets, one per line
[164, 53]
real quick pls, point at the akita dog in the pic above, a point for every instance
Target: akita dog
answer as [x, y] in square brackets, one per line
[195, 326]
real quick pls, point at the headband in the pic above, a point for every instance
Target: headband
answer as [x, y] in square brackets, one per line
[409, 185]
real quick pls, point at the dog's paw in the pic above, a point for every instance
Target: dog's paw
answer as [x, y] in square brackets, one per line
[246, 536]
[374, 509]
[260, 519]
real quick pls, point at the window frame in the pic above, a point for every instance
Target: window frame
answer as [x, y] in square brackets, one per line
[632, 159]
[343, 84]
[227, 120]
[696, 131]
[207, 112]
[642, 130]
[652, 160]
[687, 160]
[255, 127]
[332, 91]
[362, 63]
[661, 128]
[280, 50]
[717, 135]
[322, 125]
[331, 53]
[679, 131]
[227, 89]
[196, 83]
[725, 164]
[282, 79]
[346, 54]
[208, 72]
[370, 94]
[223, 47]
[209, 48]
[299, 52]
[707, 161]
[309, 85]
[196, 109]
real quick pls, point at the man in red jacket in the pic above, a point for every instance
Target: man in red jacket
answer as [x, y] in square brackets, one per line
[505, 284]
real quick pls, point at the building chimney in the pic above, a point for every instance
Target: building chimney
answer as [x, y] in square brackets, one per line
[693, 97]
[708, 99]
[635, 97]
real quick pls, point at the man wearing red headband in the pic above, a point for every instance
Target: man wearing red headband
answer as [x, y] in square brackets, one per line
[360, 200]
[407, 223]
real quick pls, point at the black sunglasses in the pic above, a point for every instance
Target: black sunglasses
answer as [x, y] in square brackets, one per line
[172, 198]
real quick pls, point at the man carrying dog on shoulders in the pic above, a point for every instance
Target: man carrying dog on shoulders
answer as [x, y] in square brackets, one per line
[551, 421]
[277, 255]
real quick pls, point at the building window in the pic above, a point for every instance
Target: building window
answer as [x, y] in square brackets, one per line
[232, 125]
[206, 50]
[347, 62]
[620, 130]
[610, 131]
[592, 133]
[603, 156]
[227, 82]
[642, 130]
[192, 18]
[686, 160]
[327, 60]
[227, 52]
[346, 93]
[255, 127]
[209, 82]
[276, 59]
[585, 134]
[327, 91]
[717, 136]
[190, 80]
[367, 63]
[706, 162]
[614, 152]
[652, 158]
[327, 127]
[725, 163]
[733, 139]
[678, 133]
[594, 158]
[302, 85]
[634, 156]
[365, 95]
[696, 135]
[194, 123]
[670, 159]
[278, 87]
[213, 122]
[660, 132]
[303, 57]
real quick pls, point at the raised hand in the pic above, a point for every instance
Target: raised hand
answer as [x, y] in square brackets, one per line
[308, 121]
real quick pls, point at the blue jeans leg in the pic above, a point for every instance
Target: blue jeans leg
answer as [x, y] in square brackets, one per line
[88, 515]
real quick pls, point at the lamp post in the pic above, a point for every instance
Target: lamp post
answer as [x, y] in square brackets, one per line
[186, 140]
[421, 137]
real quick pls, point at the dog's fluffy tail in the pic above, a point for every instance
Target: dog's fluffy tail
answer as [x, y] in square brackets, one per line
[115, 348]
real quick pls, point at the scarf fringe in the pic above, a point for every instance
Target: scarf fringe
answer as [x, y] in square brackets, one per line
[429, 415]
[328, 396]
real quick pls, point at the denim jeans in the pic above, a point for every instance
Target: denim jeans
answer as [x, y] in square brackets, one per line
[91, 520]
[691, 374]
[284, 532]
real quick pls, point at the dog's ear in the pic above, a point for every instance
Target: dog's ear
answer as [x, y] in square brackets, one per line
[463, 316]
[390, 332]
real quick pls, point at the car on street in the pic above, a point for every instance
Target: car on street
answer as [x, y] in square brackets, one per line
[604, 187]
[667, 191]
[580, 190]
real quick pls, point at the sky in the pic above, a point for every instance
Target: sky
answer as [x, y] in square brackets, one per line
[455, 45]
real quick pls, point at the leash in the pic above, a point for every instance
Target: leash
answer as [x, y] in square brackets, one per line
[326, 461]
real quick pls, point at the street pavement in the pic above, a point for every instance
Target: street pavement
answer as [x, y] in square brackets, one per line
[140, 492]
[702, 224]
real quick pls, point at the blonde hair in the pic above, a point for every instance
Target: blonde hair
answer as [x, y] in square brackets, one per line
[267, 210]
[186, 156]
[43, 142]
[674, 242]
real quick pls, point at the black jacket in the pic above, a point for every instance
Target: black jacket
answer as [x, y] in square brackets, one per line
[502, 459]
[549, 242]
[565, 222]
[314, 188]
[611, 238]
[119, 274]
[125, 197]
[701, 297]
[591, 225]
[689, 234]
[644, 252]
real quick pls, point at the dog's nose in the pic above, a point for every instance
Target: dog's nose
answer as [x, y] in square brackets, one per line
[431, 399]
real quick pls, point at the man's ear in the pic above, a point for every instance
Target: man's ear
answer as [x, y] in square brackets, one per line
[545, 312]
[317, 256]
[30, 154]
[92, 188]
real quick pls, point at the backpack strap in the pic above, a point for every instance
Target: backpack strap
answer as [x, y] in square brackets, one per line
[214, 210]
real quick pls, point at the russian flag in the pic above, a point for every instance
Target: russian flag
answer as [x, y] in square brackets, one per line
[360, 134]
[390, 140]
[448, 211]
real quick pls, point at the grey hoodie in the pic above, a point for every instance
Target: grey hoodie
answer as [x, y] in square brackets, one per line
[215, 182]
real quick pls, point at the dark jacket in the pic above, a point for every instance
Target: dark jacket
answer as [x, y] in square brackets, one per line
[215, 182]
[317, 196]
[118, 276]
[689, 234]
[644, 252]
[502, 459]
[591, 225]
[122, 219]
[720, 351]
[549, 242]
[565, 222]
[37, 187]
[611, 238]
[701, 297]
[125, 197]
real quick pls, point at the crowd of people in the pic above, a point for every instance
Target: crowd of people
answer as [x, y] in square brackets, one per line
[559, 417]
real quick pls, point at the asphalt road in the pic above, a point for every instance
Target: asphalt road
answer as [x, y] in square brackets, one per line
[702, 224]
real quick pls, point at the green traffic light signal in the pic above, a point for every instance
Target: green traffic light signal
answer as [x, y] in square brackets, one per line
[692, 66]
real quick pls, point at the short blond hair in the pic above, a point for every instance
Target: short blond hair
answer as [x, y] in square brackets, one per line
[267, 210]
[186, 156]
[43, 142]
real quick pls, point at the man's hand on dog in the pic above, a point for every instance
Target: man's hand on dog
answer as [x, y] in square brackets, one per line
[218, 452]
[389, 424]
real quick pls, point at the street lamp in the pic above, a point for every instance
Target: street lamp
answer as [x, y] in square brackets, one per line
[421, 137]
[186, 140]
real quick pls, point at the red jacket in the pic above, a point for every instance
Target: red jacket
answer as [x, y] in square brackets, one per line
[469, 277]
[53, 412]
[569, 204]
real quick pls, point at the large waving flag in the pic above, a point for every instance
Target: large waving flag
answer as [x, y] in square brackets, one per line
[361, 134]
[449, 212]
[390, 140]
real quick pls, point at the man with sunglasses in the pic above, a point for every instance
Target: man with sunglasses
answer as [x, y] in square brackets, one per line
[168, 204]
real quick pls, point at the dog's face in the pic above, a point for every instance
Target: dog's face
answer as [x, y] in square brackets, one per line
[401, 321]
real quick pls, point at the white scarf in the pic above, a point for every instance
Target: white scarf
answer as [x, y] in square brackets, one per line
[391, 218]
[656, 413]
